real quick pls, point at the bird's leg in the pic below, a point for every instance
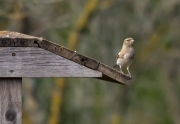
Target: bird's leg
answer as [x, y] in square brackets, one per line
[121, 69]
[128, 71]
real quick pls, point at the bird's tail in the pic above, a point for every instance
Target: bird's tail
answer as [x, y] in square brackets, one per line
[115, 66]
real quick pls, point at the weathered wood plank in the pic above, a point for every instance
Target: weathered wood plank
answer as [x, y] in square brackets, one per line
[10, 101]
[36, 62]
[110, 73]
[68, 54]
[14, 39]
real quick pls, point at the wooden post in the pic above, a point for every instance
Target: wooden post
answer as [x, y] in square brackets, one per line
[10, 101]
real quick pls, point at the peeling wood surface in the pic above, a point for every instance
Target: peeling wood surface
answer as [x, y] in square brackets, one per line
[10, 101]
[36, 62]
[14, 39]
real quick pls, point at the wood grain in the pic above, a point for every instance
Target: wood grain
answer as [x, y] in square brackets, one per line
[36, 62]
[10, 101]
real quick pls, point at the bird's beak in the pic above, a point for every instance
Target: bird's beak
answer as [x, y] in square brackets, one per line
[132, 41]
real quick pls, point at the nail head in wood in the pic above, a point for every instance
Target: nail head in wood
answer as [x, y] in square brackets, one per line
[11, 71]
[13, 54]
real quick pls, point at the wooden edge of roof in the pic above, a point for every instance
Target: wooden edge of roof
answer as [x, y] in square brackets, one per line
[14, 39]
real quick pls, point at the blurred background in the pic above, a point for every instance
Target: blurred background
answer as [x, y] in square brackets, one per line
[97, 28]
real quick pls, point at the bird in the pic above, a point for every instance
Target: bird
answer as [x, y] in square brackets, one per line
[126, 55]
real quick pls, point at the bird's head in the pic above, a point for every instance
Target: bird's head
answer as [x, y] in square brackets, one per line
[128, 41]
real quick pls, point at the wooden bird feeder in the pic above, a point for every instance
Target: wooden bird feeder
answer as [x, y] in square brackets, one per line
[28, 56]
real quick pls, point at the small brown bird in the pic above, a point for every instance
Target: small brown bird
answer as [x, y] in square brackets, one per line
[126, 55]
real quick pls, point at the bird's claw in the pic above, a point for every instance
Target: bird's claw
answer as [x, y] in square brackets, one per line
[122, 72]
[129, 75]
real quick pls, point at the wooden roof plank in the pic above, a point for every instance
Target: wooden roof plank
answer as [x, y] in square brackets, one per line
[68, 54]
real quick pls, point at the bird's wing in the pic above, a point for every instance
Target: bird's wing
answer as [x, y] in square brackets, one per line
[120, 55]
[117, 56]
[124, 56]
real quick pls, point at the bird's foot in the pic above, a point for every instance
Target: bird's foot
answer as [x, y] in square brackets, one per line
[129, 76]
[122, 72]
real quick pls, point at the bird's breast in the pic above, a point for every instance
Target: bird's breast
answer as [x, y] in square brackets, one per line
[126, 56]
[124, 62]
